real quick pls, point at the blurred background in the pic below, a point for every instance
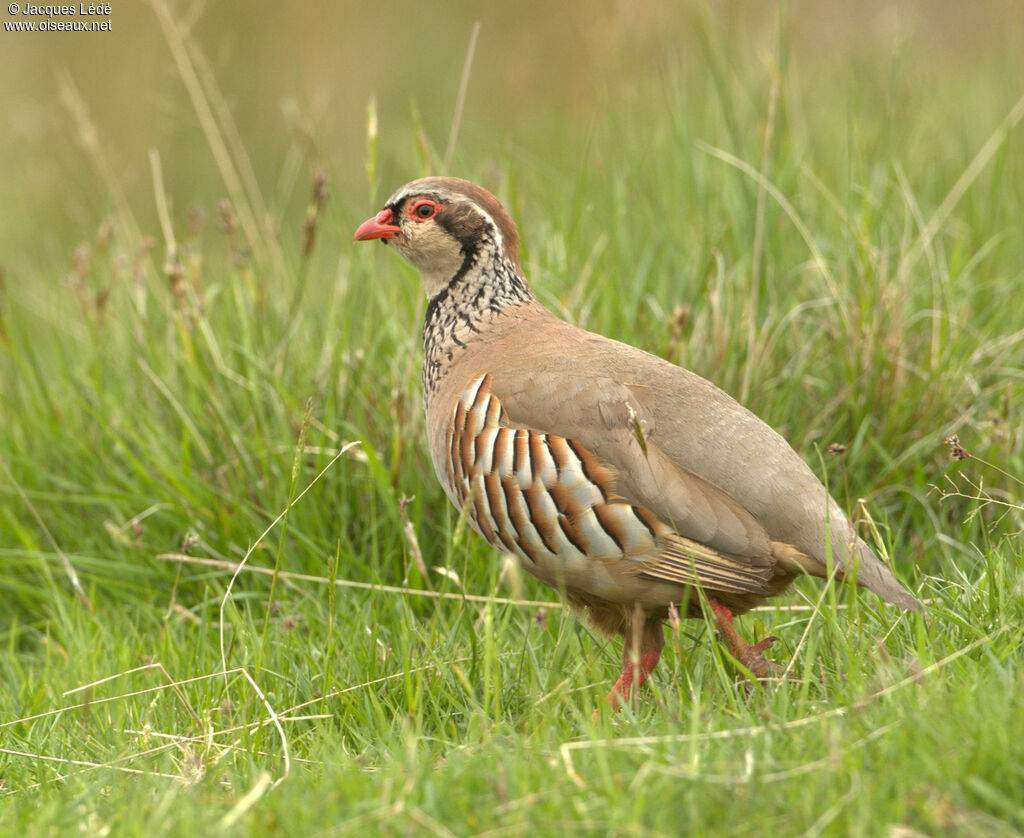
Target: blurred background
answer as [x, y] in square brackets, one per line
[550, 86]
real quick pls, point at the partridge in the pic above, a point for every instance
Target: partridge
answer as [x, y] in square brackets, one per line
[628, 484]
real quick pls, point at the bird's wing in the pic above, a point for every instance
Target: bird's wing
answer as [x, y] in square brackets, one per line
[604, 416]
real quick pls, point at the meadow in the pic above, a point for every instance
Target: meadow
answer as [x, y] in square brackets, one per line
[233, 598]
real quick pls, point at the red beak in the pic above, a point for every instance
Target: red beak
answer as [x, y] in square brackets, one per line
[377, 227]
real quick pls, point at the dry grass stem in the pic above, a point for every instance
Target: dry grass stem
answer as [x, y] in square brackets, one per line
[241, 565]
[460, 100]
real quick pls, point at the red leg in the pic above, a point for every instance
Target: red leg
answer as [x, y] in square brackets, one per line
[640, 654]
[750, 656]
[632, 677]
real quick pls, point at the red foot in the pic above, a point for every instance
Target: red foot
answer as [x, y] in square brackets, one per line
[749, 656]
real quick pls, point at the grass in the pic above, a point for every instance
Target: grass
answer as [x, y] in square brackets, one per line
[236, 602]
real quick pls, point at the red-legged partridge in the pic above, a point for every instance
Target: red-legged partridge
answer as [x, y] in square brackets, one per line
[617, 478]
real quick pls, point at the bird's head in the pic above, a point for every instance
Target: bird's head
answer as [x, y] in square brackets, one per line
[442, 226]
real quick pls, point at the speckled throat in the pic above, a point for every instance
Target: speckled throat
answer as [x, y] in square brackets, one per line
[484, 289]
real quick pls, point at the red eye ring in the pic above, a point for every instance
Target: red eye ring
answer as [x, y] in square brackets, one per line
[424, 210]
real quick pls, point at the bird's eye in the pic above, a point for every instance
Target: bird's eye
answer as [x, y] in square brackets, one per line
[422, 210]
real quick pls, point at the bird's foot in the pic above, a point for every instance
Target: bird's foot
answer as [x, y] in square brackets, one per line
[753, 659]
[750, 656]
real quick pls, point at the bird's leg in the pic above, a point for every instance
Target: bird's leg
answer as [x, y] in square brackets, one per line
[640, 654]
[750, 656]
[632, 675]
